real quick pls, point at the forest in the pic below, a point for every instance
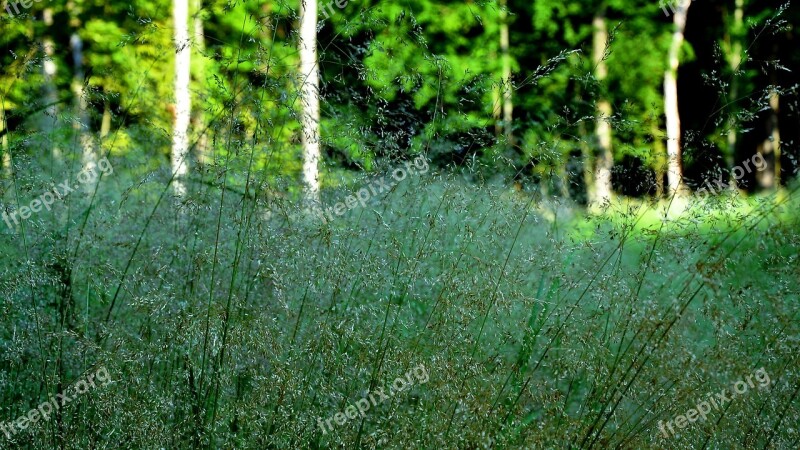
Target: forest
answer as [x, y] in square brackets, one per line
[472, 224]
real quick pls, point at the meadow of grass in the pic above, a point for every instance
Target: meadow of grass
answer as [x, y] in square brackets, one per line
[231, 320]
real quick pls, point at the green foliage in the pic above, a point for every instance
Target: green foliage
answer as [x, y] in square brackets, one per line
[234, 317]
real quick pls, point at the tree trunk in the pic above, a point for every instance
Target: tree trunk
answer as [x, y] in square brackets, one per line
[49, 69]
[674, 169]
[770, 149]
[6, 159]
[508, 104]
[76, 45]
[81, 124]
[105, 124]
[310, 99]
[588, 163]
[497, 104]
[199, 33]
[661, 158]
[737, 34]
[605, 157]
[183, 100]
[198, 121]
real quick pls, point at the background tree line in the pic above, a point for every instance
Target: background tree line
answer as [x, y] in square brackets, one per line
[583, 100]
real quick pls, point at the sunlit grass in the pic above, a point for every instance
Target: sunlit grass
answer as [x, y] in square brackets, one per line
[578, 328]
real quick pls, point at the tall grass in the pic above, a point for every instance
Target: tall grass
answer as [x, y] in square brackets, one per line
[535, 334]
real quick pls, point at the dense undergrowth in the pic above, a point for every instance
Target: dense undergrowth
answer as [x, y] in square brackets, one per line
[235, 321]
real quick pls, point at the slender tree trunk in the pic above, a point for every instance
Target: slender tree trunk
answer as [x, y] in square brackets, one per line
[497, 104]
[183, 100]
[198, 120]
[310, 99]
[674, 169]
[508, 104]
[76, 45]
[605, 158]
[105, 124]
[49, 70]
[563, 177]
[81, 125]
[6, 159]
[770, 149]
[774, 103]
[660, 165]
[588, 163]
[199, 33]
[735, 60]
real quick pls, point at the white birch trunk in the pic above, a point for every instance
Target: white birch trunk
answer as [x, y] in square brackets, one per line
[497, 105]
[6, 159]
[105, 124]
[183, 100]
[674, 169]
[81, 124]
[76, 45]
[49, 70]
[770, 149]
[735, 60]
[310, 99]
[508, 104]
[605, 159]
[198, 122]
